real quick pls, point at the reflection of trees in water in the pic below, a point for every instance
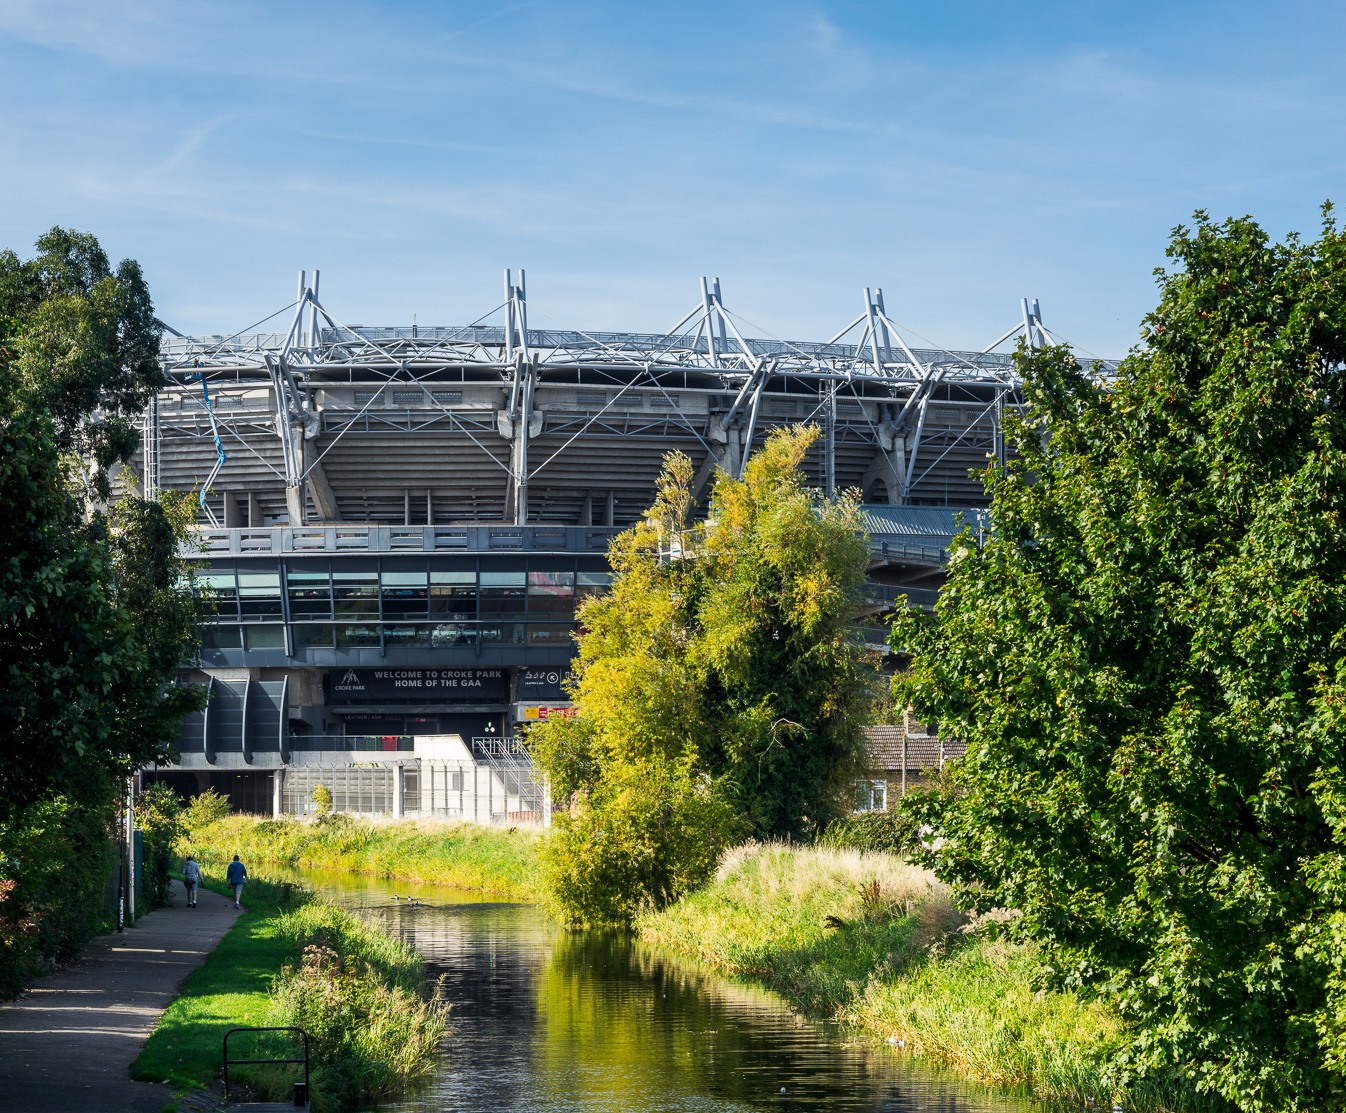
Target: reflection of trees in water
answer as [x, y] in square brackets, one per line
[545, 1019]
[617, 1015]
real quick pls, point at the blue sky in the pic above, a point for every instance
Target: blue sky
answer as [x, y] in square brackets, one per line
[960, 156]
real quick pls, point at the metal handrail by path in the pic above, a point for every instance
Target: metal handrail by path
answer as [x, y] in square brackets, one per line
[300, 1096]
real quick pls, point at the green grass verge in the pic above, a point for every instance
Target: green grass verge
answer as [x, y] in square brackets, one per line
[230, 989]
[501, 861]
[869, 940]
[292, 960]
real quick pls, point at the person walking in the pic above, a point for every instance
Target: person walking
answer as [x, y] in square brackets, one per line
[192, 877]
[236, 874]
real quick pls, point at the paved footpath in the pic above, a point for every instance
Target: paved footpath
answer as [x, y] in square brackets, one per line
[68, 1044]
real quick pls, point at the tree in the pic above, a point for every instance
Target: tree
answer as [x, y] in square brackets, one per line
[1147, 658]
[96, 615]
[720, 685]
[86, 342]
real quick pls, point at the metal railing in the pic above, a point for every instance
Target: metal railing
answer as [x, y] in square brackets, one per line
[300, 1088]
[390, 539]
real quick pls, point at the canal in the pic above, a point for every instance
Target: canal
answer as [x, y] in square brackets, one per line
[549, 1021]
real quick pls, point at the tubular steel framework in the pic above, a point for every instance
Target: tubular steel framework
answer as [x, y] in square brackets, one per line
[501, 422]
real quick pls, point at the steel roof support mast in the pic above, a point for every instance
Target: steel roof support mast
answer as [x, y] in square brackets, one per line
[519, 421]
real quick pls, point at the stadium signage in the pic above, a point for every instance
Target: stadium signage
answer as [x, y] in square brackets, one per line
[551, 713]
[542, 686]
[415, 685]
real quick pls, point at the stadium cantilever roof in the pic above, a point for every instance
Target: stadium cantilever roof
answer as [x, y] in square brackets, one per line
[496, 421]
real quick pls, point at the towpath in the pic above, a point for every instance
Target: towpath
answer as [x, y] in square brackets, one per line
[68, 1044]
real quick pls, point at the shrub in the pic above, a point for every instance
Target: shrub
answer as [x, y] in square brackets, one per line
[60, 855]
[204, 809]
[322, 800]
[158, 813]
[892, 832]
[360, 996]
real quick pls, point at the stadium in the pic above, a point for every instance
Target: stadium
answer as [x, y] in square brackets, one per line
[396, 523]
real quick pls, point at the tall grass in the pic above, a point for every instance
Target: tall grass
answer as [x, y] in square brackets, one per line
[867, 939]
[292, 960]
[817, 925]
[458, 855]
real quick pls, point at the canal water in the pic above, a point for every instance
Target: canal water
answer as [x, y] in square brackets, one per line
[550, 1021]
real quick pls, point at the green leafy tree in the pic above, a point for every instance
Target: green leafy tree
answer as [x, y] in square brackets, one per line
[1147, 658]
[721, 686]
[322, 800]
[158, 817]
[202, 810]
[85, 341]
[95, 613]
[96, 617]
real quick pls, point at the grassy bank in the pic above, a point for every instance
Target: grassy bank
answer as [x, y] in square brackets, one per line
[293, 960]
[502, 861]
[875, 942]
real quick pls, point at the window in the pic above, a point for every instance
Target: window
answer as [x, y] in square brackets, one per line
[264, 637]
[560, 636]
[406, 635]
[551, 594]
[502, 633]
[503, 593]
[309, 635]
[362, 636]
[310, 593]
[259, 594]
[593, 583]
[404, 594]
[356, 593]
[453, 593]
[221, 589]
[220, 637]
[871, 796]
[453, 633]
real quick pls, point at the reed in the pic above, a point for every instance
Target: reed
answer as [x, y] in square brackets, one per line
[867, 939]
[290, 959]
[502, 861]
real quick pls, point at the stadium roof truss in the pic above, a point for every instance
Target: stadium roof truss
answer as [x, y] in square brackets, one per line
[331, 422]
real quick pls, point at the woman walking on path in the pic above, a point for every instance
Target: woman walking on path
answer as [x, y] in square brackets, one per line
[235, 875]
[192, 877]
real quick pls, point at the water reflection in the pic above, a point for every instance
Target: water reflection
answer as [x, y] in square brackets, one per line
[547, 1021]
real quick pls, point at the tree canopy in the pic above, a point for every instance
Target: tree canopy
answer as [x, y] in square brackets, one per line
[1147, 658]
[94, 621]
[720, 684]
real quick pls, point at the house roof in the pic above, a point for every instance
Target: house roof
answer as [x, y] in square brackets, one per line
[883, 749]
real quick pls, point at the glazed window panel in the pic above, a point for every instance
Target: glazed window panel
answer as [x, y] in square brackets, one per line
[559, 636]
[551, 594]
[259, 594]
[220, 590]
[406, 635]
[312, 635]
[221, 637]
[445, 634]
[593, 583]
[363, 635]
[453, 594]
[503, 593]
[356, 593]
[405, 594]
[310, 593]
[503, 633]
[264, 637]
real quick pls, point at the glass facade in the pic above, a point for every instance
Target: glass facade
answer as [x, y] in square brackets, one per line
[306, 609]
